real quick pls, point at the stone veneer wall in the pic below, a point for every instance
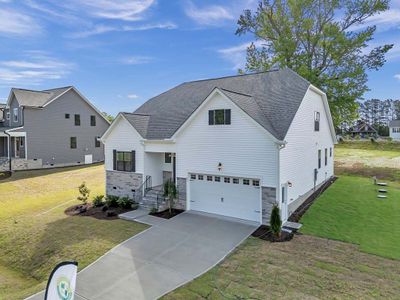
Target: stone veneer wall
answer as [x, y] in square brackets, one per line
[122, 184]
[268, 200]
[18, 164]
[181, 203]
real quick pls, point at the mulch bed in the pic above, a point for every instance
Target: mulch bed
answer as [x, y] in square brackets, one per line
[264, 232]
[301, 210]
[166, 215]
[101, 213]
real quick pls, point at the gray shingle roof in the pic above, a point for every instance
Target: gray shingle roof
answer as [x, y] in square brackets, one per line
[37, 98]
[140, 122]
[394, 123]
[270, 98]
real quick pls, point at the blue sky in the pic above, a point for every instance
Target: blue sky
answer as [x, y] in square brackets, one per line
[119, 53]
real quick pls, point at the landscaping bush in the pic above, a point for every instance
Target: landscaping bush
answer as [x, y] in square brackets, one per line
[98, 201]
[112, 201]
[84, 193]
[124, 202]
[275, 221]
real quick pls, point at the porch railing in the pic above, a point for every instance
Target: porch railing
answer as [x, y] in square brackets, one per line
[143, 189]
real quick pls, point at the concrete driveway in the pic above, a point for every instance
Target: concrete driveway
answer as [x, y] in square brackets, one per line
[162, 258]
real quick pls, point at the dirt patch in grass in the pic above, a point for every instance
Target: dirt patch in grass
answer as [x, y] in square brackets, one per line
[101, 213]
[360, 169]
[166, 214]
[305, 268]
[264, 232]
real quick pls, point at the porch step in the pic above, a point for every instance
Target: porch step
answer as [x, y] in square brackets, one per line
[292, 225]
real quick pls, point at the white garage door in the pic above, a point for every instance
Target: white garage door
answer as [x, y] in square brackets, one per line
[228, 196]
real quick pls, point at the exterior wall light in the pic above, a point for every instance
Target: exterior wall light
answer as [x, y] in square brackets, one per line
[219, 166]
[289, 184]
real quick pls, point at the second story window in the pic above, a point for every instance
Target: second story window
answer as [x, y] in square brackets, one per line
[77, 120]
[319, 159]
[15, 114]
[92, 120]
[316, 120]
[219, 117]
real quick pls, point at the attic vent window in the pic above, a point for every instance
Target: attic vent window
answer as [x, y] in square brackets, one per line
[219, 117]
[316, 120]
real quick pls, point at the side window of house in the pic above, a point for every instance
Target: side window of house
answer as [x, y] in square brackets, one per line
[8, 115]
[219, 117]
[316, 120]
[15, 114]
[330, 152]
[97, 142]
[326, 156]
[67, 116]
[77, 120]
[319, 159]
[168, 158]
[92, 120]
[73, 142]
[124, 161]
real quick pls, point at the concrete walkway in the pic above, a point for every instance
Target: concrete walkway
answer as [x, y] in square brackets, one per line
[162, 258]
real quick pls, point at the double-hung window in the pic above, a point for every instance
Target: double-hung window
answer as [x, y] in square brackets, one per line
[73, 142]
[219, 117]
[15, 114]
[92, 120]
[124, 161]
[77, 120]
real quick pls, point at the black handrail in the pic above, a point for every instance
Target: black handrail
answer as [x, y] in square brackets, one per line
[140, 192]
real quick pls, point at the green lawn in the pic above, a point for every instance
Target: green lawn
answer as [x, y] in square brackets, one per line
[350, 211]
[305, 268]
[35, 234]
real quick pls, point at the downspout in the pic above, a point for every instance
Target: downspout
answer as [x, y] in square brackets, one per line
[9, 149]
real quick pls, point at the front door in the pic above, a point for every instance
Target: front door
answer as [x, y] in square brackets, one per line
[284, 206]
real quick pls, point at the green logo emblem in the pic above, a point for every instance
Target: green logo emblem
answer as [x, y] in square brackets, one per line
[64, 289]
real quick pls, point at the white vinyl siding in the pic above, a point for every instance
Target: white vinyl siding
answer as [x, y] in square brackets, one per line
[300, 156]
[123, 137]
[243, 148]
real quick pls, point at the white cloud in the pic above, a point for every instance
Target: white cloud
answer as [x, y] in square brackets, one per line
[208, 15]
[384, 21]
[133, 96]
[16, 23]
[100, 29]
[397, 76]
[136, 60]
[237, 54]
[33, 69]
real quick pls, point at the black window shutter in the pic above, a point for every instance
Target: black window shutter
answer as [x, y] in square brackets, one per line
[227, 116]
[114, 159]
[133, 161]
[210, 117]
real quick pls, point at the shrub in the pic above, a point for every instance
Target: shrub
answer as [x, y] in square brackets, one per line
[84, 193]
[98, 201]
[112, 201]
[124, 202]
[275, 221]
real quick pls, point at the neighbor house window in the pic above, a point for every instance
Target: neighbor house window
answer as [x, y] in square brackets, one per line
[256, 182]
[219, 117]
[67, 116]
[8, 115]
[124, 161]
[97, 142]
[77, 120]
[316, 120]
[227, 179]
[168, 158]
[326, 156]
[73, 142]
[246, 181]
[395, 129]
[15, 114]
[92, 120]
[319, 159]
[235, 180]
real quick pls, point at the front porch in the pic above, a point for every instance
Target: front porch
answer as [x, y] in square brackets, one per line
[13, 146]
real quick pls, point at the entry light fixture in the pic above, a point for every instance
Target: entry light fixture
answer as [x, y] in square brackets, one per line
[289, 184]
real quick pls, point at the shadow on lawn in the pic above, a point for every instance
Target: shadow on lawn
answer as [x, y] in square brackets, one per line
[18, 175]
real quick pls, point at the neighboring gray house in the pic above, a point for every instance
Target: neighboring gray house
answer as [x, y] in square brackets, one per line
[50, 128]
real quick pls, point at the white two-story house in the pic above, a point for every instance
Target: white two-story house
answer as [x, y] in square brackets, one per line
[235, 146]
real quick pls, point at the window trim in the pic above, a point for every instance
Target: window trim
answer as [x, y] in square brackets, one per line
[93, 120]
[15, 114]
[77, 119]
[227, 116]
[73, 142]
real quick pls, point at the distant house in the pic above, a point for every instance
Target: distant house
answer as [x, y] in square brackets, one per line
[50, 128]
[363, 129]
[394, 129]
[234, 146]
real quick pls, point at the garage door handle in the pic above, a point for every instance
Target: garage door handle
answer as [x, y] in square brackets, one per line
[257, 211]
[192, 201]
